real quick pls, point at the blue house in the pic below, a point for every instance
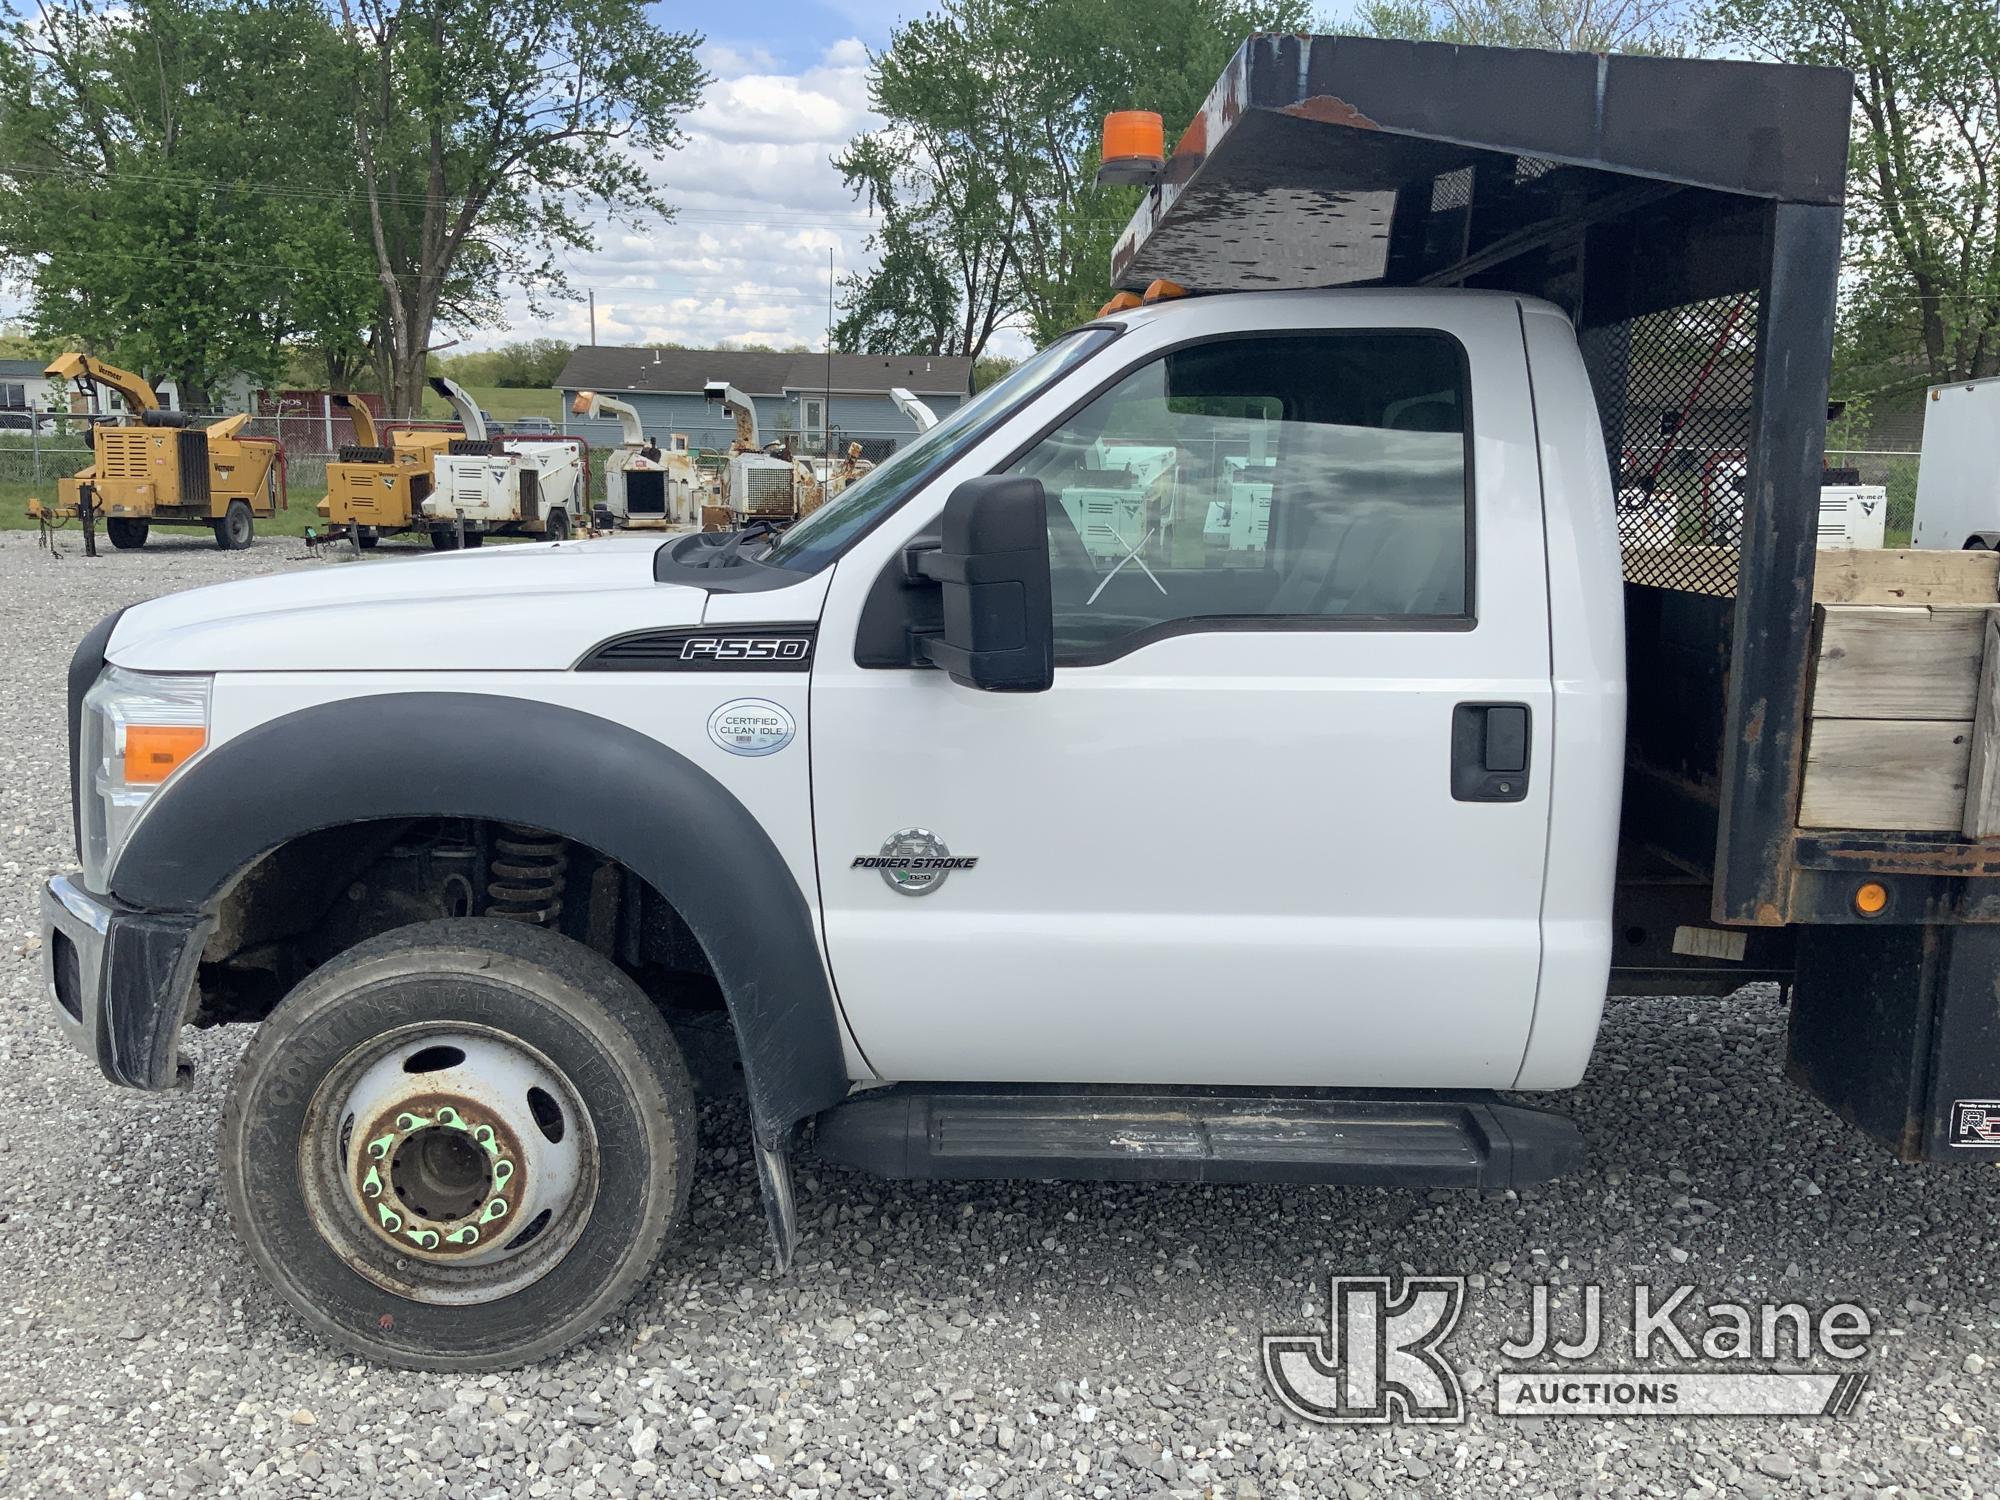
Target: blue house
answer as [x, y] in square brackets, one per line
[796, 396]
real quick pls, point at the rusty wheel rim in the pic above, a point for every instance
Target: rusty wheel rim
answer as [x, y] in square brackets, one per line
[449, 1164]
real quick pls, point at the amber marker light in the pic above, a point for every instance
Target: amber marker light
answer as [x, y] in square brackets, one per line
[1871, 898]
[1135, 146]
[153, 752]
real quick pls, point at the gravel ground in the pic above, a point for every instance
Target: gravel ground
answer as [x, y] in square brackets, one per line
[1007, 1340]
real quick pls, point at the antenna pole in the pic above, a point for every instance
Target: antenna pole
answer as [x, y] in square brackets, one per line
[593, 317]
[826, 412]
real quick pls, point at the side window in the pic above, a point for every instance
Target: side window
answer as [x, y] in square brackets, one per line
[1274, 479]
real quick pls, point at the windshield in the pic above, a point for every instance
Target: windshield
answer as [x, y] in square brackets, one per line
[827, 532]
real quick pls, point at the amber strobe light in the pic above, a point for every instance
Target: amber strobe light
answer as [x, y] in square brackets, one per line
[153, 752]
[1871, 898]
[1135, 146]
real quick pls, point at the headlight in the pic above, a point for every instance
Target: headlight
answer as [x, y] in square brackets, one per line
[138, 731]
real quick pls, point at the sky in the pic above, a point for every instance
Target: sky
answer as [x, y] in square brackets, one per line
[759, 205]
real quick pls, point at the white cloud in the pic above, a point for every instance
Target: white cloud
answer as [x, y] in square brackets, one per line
[758, 206]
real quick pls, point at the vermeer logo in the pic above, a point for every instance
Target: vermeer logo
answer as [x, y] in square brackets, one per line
[1382, 1358]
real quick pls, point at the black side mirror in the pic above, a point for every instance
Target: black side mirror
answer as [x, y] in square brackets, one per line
[993, 566]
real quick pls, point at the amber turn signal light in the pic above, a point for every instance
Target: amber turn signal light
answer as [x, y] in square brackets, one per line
[1871, 898]
[153, 752]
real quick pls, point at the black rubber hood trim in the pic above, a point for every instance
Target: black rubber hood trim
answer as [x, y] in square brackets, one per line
[681, 561]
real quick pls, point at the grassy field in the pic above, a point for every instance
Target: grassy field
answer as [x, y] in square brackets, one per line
[291, 522]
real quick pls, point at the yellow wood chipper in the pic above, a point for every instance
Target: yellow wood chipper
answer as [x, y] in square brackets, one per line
[457, 484]
[155, 467]
[376, 488]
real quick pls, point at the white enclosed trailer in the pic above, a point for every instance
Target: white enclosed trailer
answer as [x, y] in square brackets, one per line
[1958, 476]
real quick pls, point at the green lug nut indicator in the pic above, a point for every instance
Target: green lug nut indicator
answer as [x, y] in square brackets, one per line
[462, 1233]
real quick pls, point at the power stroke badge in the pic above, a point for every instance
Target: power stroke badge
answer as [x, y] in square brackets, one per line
[914, 862]
[751, 726]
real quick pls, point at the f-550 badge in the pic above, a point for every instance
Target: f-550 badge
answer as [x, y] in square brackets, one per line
[914, 862]
[746, 648]
[766, 648]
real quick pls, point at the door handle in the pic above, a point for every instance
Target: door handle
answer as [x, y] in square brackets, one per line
[1489, 752]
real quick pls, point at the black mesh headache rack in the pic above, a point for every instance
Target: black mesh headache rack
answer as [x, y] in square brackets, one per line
[1686, 215]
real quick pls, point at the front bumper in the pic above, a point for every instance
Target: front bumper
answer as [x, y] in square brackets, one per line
[119, 981]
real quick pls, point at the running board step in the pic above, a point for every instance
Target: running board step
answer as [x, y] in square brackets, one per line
[1121, 1135]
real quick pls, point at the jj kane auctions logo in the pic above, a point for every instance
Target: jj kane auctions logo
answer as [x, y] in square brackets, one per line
[1382, 1357]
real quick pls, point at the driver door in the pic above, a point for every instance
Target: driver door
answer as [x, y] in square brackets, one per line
[1233, 844]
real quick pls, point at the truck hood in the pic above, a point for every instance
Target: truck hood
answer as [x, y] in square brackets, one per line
[515, 608]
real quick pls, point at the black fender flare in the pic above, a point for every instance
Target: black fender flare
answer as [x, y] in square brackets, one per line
[516, 760]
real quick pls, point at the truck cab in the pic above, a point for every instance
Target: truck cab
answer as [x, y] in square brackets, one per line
[1204, 758]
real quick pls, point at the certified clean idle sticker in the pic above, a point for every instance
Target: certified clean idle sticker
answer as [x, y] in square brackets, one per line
[751, 726]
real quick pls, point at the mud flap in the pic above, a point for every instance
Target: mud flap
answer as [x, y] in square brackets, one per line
[774, 1177]
[1897, 1030]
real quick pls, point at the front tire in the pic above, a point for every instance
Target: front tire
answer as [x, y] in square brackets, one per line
[431, 1088]
[126, 534]
[236, 530]
[557, 529]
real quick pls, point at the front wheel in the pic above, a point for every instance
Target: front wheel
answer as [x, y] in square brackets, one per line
[460, 1145]
[127, 534]
[557, 528]
[236, 529]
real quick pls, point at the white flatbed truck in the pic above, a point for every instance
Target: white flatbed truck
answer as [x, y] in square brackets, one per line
[1278, 852]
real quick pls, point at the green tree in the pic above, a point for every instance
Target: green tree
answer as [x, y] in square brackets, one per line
[519, 364]
[484, 128]
[138, 145]
[1922, 299]
[989, 369]
[1562, 25]
[982, 173]
[950, 213]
